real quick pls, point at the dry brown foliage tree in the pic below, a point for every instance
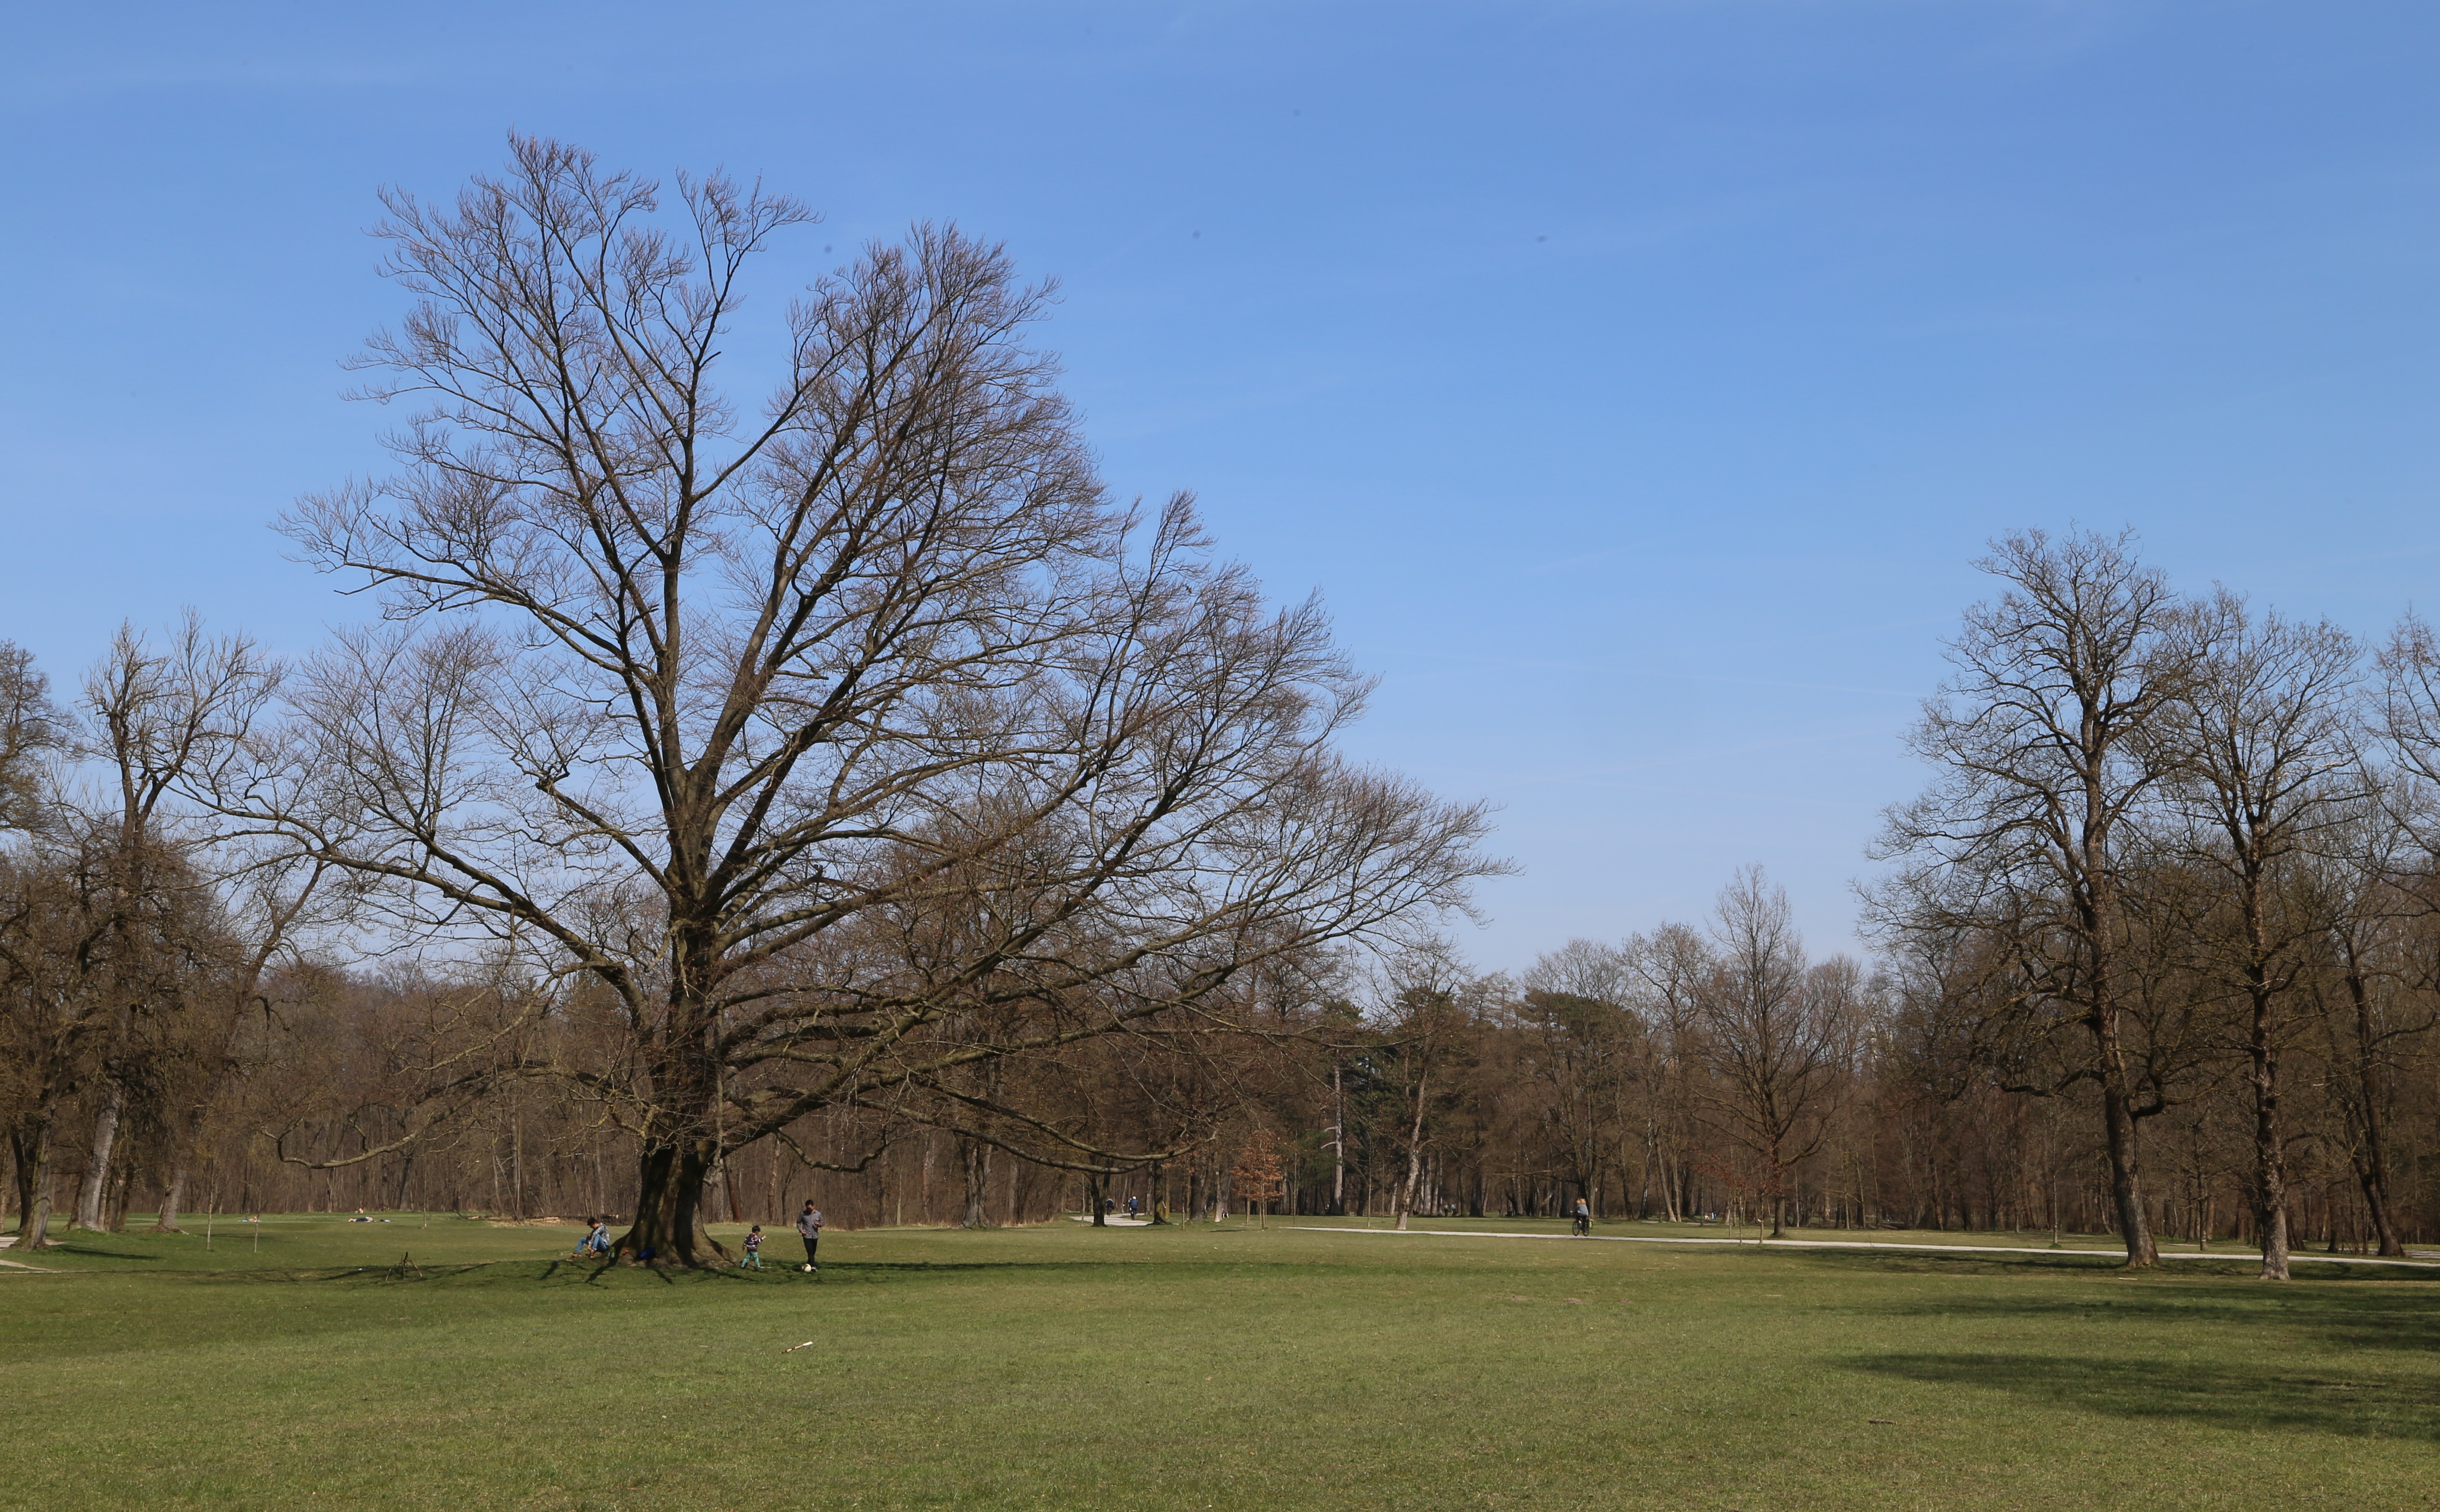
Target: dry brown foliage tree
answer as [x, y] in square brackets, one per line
[1259, 1177]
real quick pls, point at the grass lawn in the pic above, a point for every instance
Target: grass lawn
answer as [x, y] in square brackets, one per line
[1068, 1367]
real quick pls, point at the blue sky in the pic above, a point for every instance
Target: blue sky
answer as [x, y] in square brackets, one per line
[1636, 382]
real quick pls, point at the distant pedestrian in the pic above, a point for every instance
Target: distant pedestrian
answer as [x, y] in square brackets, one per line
[1583, 1218]
[809, 1228]
[754, 1247]
[1131, 1207]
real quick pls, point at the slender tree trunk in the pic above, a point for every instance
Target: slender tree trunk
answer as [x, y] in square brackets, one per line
[976, 1158]
[1414, 1151]
[2125, 1191]
[1338, 1141]
[96, 1166]
[2269, 1158]
[32, 1145]
[1643, 1194]
[2372, 1149]
[2119, 1131]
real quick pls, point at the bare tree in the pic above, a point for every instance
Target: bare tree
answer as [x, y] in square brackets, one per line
[712, 702]
[1422, 1021]
[1581, 1038]
[160, 720]
[1781, 1036]
[29, 728]
[109, 922]
[2365, 999]
[2261, 750]
[1670, 968]
[2042, 745]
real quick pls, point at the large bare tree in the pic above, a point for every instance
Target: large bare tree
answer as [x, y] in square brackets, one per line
[2043, 749]
[718, 704]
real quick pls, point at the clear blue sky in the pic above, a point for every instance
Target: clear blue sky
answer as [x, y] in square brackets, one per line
[1636, 381]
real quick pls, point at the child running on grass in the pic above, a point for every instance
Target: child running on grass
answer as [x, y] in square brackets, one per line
[754, 1247]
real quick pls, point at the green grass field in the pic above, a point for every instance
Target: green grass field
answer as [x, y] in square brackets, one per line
[1068, 1367]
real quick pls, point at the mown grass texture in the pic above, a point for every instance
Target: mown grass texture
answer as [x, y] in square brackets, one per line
[468, 1365]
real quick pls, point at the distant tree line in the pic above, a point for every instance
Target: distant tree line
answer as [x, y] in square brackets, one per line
[2159, 956]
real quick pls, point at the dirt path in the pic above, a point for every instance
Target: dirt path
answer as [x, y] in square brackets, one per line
[2298, 1257]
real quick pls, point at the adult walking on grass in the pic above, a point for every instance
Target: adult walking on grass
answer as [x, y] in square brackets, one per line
[809, 1228]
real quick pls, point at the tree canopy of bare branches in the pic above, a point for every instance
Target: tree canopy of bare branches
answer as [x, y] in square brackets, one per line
[841, 738]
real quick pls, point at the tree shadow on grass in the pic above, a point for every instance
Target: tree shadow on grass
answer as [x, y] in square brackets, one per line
[2090, 1262]
[95, 1247]
[2365, 1317]
[2363, 1404]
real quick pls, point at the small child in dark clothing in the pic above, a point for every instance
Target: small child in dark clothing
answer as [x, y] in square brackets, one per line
[754, 1247]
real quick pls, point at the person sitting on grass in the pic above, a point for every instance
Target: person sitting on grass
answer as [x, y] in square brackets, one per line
[595, 1241]
[754, 1247]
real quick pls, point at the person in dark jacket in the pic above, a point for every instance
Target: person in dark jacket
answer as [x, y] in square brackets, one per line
[809, 1228]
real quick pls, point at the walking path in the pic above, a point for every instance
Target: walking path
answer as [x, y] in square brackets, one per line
[1116, 1220]
[2298, 1257]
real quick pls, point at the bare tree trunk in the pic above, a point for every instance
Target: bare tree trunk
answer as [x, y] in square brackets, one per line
[977, 1157]
[96, 1166]
[669, 1218]
[1414, 1152]
[2117, 1102]
[32, 1144]
[2269, 1157]
[174, 1198]
[2371, 1154]
[1338, 1141]
[2126, 1193]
